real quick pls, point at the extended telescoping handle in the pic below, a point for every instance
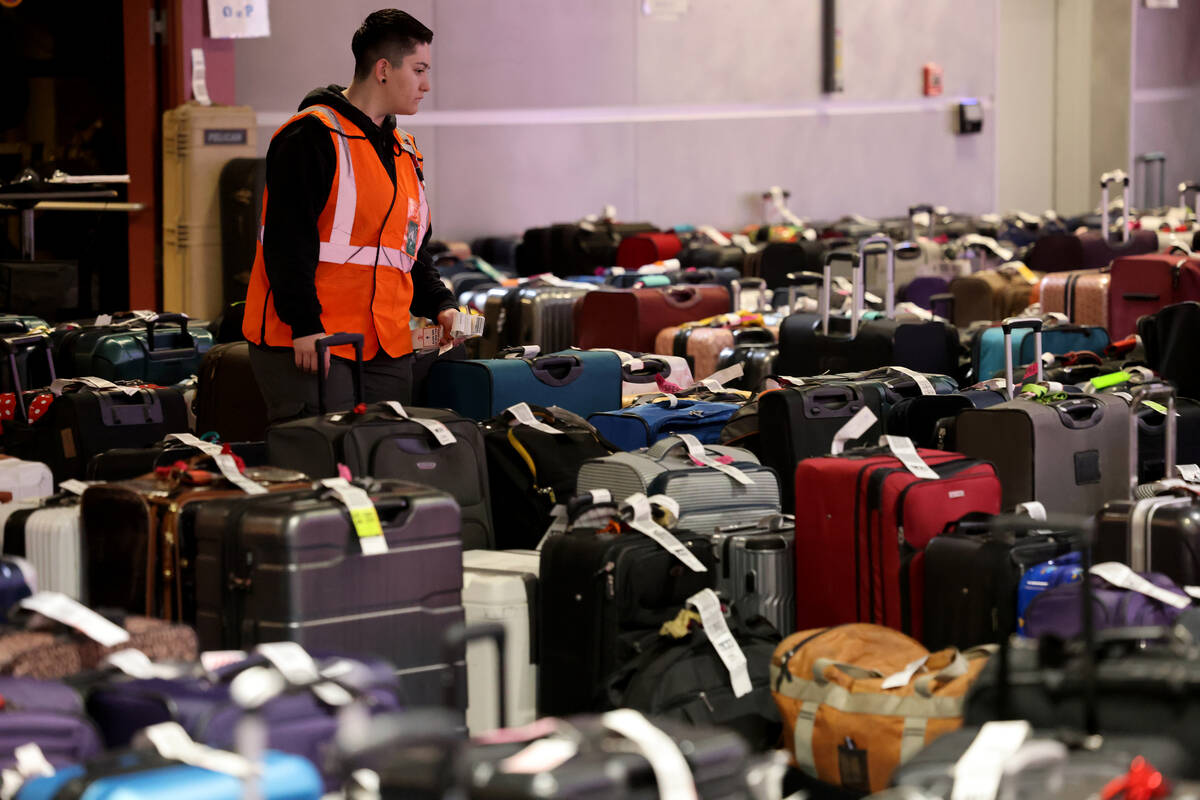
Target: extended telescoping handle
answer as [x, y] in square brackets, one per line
[923, 208]
[1184, 188]
[1008, 326]
[796, 279]
[455, 642]
[1140, 395]
[333, 340]
[1146, 159]
[12, 345]
[826, 286]
[873, 244]
[1119, 176]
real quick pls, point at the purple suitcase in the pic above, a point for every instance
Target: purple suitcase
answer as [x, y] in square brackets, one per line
[1057, 611]
[50, 715]
[288, 567]
[296, 723]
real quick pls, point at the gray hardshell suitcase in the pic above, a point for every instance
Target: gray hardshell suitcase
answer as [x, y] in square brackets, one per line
[1071, 455]
[288, 566]
[547, 316]
[706, 497]
[756, 569]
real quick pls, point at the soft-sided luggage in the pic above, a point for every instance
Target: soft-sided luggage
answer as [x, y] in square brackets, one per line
[25, 480]
[1056, 611]
[988, 351]
[159, 348]
[1172, 341]
[756, 569]
[713, 484]
[1083, 295]
[385, 440]
[48, 714]
[290, 567]
[863, 521]
[642, 425]
[991, 294]
[859, 700]
[46, 289]
[972, 579]
[580, 381]
[242, 184]
[502, 586]
[646, 248]
[228, 400]
[1143, 284]
[630, 319]
[625, 585]
[530, 469]
[641, 373]
[1069, 454]
[46, 534]
[124, 463]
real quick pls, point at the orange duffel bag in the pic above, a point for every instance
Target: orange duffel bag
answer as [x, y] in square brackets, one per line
[841, 724]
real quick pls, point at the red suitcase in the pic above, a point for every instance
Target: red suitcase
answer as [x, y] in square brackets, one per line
[862, 523]
[646, 248]
[629, 319]
[1141, 285]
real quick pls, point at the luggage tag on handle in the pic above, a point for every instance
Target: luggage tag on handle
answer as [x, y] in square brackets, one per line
[32, 761]
[716, 382]
[715, 235]
[667, 504]
[103, 320]
[172, 742]
[671, 771]
[73, 486]
[363, 515]
[1121, 576]
[57, 386]
[722, 640]
[524, 415]
[1189, 472]
[922, 382]
[901, 678]
[977, 774]
[854, 428]
[643, 522]
[697, 454]
[903, 449]
[527, 351]
[225, 463]
[439, 431]
[299, 669]
[59, 607]
[542, 755]
[213, 660]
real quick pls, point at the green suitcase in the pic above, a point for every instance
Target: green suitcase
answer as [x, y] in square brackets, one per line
[163, 350]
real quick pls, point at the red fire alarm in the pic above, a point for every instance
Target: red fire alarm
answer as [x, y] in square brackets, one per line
[933, 80]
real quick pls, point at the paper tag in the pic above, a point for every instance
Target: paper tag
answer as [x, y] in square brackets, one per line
[901, 678]
[779, 202]
[601, 496]
[643, 523]
[540, 756]
[1032, 509]
[57, 386]
[191, 440]
[69, 612]
[103, 319]
[363, 515]
[670, 768]
[922, 382]
[133, 663]
[722, 640]
[426, 337]
[558, 524]
[229, 469]
[1193, 591]
[728, 374]
[854, 428]
[1121, 576]
[903, 449]
[524, 415]
[31, 761]
[213, 660]
[466, 325]
[1189, 472]
[292, 661]
[199, 84]
[73, 486]
[697, 454]
[172, 742]
[715, 235]
[668, 504]
[977, 774]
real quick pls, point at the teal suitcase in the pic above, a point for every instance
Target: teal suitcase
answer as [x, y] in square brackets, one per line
[163, 350]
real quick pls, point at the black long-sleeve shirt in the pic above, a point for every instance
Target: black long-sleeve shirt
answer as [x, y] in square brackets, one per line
[301, 163]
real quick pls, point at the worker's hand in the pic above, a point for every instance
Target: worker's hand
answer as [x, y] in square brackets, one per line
[446, 320]
[306, 354]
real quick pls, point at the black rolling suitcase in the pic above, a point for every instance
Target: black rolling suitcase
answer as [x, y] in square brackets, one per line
[47, 289]
[426, 445]
[241, 187]
[228, 401]
[290, 567]
[123, 463]
[1172, 340]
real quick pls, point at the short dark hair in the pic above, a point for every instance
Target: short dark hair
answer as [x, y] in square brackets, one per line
[388, 33]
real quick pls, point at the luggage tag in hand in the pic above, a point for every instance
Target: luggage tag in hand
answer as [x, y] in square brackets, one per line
[643, 522]
[426, 337]
[466, 325]
[722, 640]
[363, 515]
[697, 454]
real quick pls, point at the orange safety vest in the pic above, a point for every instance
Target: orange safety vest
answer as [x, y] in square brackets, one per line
[369, 232]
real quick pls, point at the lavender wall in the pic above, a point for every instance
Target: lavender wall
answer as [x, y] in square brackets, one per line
[546, 110]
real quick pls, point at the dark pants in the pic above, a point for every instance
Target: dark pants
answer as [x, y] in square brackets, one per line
[290, 393]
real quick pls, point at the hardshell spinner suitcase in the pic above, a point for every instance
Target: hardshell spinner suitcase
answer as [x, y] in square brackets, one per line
[287, 567]
[704, 345]
[228, 400]
[580, 381]
[624, 586]
[502, 586]
[379, 443]
[164, 349]
[543, 315]
[47, 534]
[707, 497]
[863, 522]
[48, 714]
[756, 569]
[1143, 284]
[1080, 294]
[630, 319]
[25, 480]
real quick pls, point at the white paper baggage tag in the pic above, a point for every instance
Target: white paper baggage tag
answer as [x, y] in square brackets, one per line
[59, 607]
[854, 428]
[644, 523]
[363, 515]
[780, 204]
[697, 454]
[977, 774]
[440, 432]
[73, 486]
[57, 386]
[31, 761]
[191, 440]
[922, 382]
[524, 415]
[671, 771]
[426, 337]
[743, 241]
[542, 755]
[103, 319]
[668, 504]
[903, 449]
[213, 660]
[1189, 472]
[558, 524]
[137, 664]
[299, 669]
[172, 742]
[1121, 576]
[723, 376]
[901, 678]
[715, 235]
[722, 640]
[1032, 509]
[466, 325]
[229, 469]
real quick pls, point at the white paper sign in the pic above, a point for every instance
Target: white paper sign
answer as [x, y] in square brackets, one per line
[238, 20]
[199, 81]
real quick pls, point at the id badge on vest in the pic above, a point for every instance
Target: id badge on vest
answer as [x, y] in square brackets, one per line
[413, 230]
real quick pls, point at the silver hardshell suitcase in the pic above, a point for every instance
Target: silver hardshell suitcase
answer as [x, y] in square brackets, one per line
[756, 569]
[50, 538]
[547, 316]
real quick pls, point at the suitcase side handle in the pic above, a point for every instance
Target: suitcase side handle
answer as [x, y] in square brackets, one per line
[169, 354]
[454, 645]
[333, 340]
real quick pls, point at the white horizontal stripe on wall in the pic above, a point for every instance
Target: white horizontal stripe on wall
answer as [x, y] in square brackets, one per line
[1170, 94]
